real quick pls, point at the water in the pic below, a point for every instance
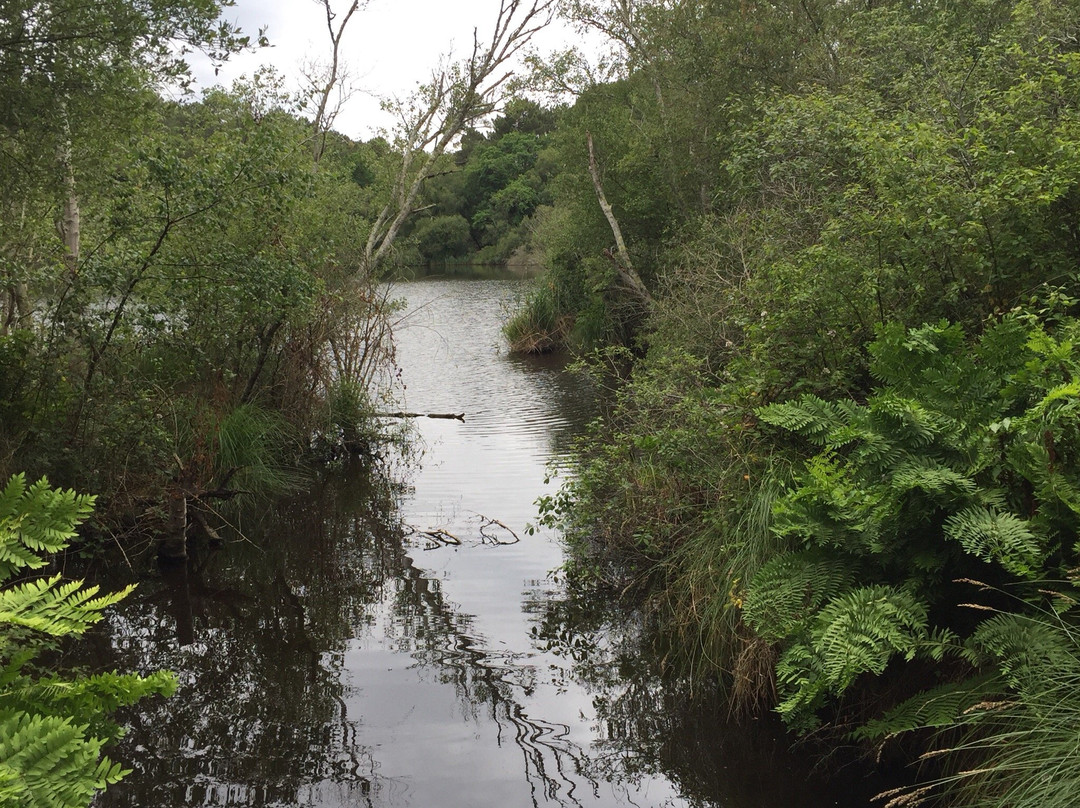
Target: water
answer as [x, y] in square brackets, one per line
[398, 639]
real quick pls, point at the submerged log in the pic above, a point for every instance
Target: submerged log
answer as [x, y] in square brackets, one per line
[457, 416]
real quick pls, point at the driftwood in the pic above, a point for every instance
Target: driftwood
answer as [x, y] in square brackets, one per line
[488, 538]
[441, 537]
[458, 416]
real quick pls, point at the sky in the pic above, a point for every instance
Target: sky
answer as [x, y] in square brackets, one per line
[388, 48]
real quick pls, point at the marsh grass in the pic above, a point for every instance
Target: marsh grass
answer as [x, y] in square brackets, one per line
[1023, 750]
[708, 575]
[538, 327]
[253, 445]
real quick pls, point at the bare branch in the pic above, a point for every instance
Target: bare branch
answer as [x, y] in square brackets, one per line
[324, 79]
[458, 95]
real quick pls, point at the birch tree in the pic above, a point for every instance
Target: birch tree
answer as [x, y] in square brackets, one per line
[458, 95]
[324, 79]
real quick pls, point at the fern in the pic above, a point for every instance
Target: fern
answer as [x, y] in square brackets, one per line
[998, 537]
[811, 417]
[36, 519]
[964, 464]
[791, 587]
[939, 707]
[930, 476]
[1018, 645]
[908, 421]
[48, 762]
[55, 608]
[858, 632]
[52, 730]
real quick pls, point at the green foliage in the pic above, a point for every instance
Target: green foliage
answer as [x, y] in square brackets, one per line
[36, 521]
[859, 223]
[791, 586]
[482, 210]
[52, 728]
[219, 285]
[860, 631]
[932, 479]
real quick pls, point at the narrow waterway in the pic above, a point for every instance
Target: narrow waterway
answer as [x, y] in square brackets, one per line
[395, 637]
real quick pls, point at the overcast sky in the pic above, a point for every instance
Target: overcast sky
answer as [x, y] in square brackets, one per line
[388, 47]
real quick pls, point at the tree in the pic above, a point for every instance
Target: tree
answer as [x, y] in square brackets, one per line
[324, 79]
[67, 68]
[457, 96]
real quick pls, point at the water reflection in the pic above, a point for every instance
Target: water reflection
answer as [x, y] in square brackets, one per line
[336, 656]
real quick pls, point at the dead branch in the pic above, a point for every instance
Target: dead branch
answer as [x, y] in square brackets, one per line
[489, 539]
[323, 85]
[456, 416]
[441, 536]
[457, 96]
[623, 266]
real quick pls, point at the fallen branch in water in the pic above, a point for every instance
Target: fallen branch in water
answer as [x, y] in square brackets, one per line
[458, 416]
[441, 535]
[488, 538]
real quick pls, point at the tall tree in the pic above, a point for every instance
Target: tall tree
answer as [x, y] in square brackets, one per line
[458, 95]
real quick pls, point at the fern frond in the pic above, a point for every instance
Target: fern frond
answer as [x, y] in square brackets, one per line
[998, 537]
[1019, 645]
[36, 520]
[911, 423]
[55, 608]
[897, 350]
[938, 707]
[932, 477]
[50, 761]
[789, 588]
[858, 632]
[811, 417]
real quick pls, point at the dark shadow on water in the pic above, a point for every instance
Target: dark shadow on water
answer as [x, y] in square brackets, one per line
[259, 632]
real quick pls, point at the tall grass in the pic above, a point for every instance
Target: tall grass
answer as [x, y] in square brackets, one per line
[253, 445]
[1024, 750]
[538, 326]
[708, 574]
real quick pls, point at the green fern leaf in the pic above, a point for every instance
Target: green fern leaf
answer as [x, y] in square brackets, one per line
[999, 537]
[858, 632]
[938, 707]
[811, 417]
[789, 588]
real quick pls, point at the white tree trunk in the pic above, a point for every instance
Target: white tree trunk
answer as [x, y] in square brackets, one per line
[623, 265]
[69, 223]
[457, 96]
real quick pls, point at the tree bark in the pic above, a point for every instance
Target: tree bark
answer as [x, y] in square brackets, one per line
[623, 265]
[173, 544]
[69, 224]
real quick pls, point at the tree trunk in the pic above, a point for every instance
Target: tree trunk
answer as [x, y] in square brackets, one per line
[173, 545]
[623, 265]
[70, 220]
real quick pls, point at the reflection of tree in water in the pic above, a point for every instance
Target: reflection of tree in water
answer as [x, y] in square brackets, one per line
[258, 633]
[653, 725]
[439, 637]
[255, 633]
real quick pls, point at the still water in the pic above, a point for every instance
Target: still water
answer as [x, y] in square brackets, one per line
[395, 636]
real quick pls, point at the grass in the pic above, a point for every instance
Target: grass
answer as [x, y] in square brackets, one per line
[538, 327]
